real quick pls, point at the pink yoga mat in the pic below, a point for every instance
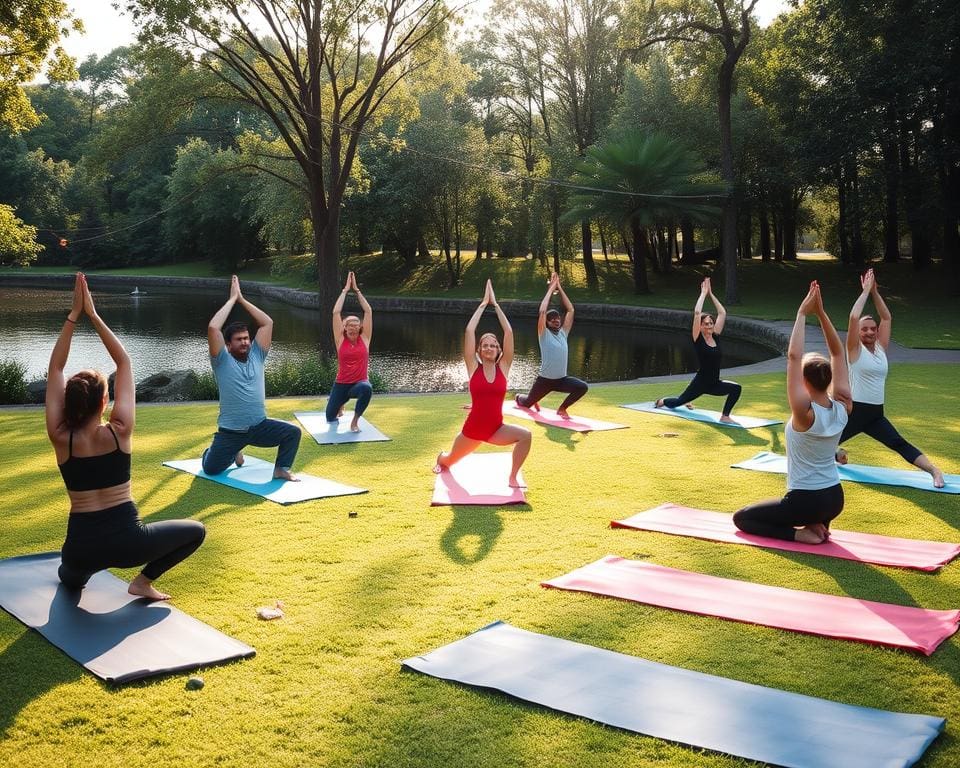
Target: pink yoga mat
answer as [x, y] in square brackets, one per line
[480, 478]
[847, 545]
[575, 423]
[918, 629]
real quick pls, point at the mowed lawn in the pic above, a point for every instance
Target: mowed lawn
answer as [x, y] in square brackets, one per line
[402, 578]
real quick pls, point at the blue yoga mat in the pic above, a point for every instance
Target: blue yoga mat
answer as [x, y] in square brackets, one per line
[729, 716]
[256, 477]
[858, 473]
[703, 415]
[116, 636]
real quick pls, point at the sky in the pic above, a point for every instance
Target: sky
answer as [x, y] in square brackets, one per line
[107, 28]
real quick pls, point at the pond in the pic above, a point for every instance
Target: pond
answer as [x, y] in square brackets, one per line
[164, 329]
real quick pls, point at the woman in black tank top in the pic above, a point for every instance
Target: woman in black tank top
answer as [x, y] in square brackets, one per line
[104, 528]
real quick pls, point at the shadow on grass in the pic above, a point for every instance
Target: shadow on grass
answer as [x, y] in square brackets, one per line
[482, 524]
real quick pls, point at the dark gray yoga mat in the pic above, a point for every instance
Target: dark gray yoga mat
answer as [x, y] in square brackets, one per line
[116, 636]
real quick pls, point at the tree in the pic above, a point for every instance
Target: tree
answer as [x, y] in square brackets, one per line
[642, 181]
[29, 33]
[18, 241]
[706, 23]
[320, 71]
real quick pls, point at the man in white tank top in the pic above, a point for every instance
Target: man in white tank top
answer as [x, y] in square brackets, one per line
[867, 342]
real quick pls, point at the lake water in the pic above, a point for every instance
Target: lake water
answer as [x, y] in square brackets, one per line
[165, 329]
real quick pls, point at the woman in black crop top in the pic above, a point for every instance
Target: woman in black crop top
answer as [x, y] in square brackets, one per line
[104, 529]
[706, 342]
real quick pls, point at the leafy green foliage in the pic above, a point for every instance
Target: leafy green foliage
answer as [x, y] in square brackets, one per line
[13, 382]
[18, 241]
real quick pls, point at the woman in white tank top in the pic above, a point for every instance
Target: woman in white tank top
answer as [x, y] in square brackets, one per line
[867, 342]
[818, 392]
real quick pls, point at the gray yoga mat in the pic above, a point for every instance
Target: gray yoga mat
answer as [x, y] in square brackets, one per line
[729, 716]
[116, 636]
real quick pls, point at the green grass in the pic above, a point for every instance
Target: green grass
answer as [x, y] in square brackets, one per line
[923, 309]
[402, 578]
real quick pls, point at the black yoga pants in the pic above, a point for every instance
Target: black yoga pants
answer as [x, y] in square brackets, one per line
[116, 538]
[699, 387]
[573, 387]
[869, 419]
[778, 518]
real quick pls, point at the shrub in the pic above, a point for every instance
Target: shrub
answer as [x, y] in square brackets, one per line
[206, 387]
[13, 383]
[309, 376]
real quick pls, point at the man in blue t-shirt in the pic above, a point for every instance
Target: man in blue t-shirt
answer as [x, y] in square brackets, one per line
[238, 368]
[552, 332]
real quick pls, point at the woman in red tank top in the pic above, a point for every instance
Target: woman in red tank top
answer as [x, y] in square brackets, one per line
[351, 337]
[488, 368]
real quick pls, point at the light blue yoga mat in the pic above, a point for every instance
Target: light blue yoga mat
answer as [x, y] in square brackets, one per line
[858, 473]
[700, 414]
[338, 432]
[256, 477]
[717, 713]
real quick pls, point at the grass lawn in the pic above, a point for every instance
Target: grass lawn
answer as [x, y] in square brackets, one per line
[403, 578]
[923, 310]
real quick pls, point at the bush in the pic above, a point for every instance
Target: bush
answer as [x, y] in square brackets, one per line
[206, 387]
[311, 376]
[13, 383]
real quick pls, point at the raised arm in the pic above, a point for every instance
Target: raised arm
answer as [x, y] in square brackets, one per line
[264, 337]
[856, 311]
[215, 326]
[123, 414]
[568, 308]
[840, 377]
[885, 321]
[552, 285]
[797, 395]
[58, 361]
[698, 309]
[721, 312]
[506, 358]
[470, 334]
[337, 324]
[366, 327]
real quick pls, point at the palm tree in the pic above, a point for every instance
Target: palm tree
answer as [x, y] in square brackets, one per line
[641, 180]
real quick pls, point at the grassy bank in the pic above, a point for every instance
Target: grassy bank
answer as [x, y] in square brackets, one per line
[402, 578]
[924, 312]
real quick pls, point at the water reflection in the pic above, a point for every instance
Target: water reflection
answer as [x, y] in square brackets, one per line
[165, 329]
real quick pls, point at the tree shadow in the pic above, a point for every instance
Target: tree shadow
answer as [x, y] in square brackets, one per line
[482, 523]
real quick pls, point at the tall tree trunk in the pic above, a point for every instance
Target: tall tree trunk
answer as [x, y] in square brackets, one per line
[728, 227]
[422, 250]
[640, 254]
[777, 236]
[586, 237]
[789, 223]
[626, 246]
[913, 199]
[891, 173]
[842, 235]
[855, 216]
[746, 232]
[764, 231]
[603, 240]
[689, 245]
[479, 245]
[555, 225]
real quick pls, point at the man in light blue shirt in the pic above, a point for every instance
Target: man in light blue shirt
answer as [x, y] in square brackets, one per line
[552, 332]
[238, 368]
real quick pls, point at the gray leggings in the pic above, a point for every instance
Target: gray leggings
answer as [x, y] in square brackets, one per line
[573, 387]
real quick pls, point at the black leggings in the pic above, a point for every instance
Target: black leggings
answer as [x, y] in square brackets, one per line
[574, 388]
[778, 518]
[116, 538]
[700, 386]
[869, 419]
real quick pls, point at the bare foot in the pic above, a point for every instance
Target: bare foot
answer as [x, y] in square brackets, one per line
[238, 459]
[284, 474]
[355, 425]
[536, 407]
[340, 412]
[690, 406]
[141, 586]
[517, 401]
[659, 403]
[937, 478]
[841, 456]
[563, 414]
[514, 483]
[439, 466]
[821, 530]
[807, 535]
[726, 419]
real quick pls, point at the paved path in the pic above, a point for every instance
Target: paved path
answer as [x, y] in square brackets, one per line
[814, 343]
